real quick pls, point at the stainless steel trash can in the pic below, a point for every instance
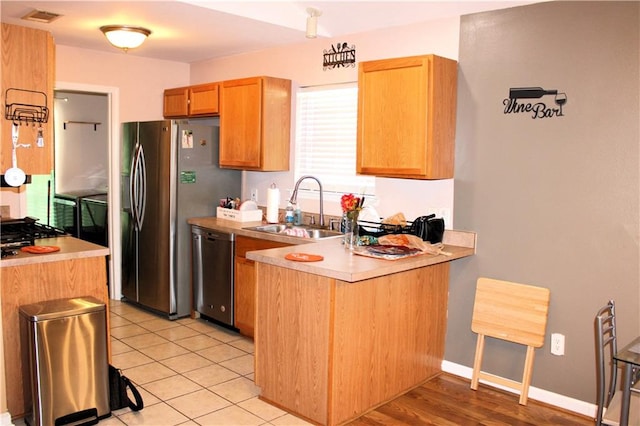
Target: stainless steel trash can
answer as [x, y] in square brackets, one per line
[66, 370]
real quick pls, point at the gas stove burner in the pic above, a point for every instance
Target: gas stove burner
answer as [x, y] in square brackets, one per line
[16, 233]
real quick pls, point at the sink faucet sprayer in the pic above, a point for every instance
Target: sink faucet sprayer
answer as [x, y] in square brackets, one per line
[294, 195]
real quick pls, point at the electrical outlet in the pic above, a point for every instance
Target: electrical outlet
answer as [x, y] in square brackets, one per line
[557, 344]
[254, 194]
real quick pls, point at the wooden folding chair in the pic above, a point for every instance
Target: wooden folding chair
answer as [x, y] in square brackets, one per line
[512, 312]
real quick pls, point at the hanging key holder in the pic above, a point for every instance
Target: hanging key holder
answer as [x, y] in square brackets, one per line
[15, 176]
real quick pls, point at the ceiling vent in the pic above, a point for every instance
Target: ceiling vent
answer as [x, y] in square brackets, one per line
[41, 16]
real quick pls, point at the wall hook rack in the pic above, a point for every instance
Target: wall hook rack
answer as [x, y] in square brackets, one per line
[22, 112]
[95, 124]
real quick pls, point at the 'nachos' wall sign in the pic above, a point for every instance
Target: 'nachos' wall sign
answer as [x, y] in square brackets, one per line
[538, 109]
[340, 55]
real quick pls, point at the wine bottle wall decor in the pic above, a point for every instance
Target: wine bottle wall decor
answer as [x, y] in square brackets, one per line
[533, 101]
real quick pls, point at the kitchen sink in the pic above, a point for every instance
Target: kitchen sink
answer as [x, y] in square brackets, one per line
[300, 231]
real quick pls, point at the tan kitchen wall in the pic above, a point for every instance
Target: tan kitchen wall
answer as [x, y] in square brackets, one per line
[140, 81]
[555, 201]
[302, 63]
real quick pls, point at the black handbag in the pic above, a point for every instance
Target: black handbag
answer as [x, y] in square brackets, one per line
[429, 228]
[118, 396]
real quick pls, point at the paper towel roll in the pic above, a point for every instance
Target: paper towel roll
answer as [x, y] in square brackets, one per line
[273, 201]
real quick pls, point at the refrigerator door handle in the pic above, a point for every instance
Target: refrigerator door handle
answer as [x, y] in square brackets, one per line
[128, 201]
[138, 187]
[143, 187]
[132, 189]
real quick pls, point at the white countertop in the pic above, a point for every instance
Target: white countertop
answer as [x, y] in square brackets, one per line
[338, 262]
[70, 248]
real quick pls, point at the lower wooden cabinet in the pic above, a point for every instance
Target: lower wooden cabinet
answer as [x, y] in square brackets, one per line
[33, 283]
[245, 282]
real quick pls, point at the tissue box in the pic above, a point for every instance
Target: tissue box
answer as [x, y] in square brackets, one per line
[239, 215]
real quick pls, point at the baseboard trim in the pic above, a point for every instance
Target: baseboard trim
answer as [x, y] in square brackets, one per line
[555, 399]
[5, 419]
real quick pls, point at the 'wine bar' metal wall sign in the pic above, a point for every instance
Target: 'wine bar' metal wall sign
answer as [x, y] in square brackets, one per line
[514, 104]
[340, 55]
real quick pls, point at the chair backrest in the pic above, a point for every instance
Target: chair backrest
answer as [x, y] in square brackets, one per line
[606, 364]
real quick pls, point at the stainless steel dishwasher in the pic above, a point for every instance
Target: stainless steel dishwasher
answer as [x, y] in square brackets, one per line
[213, 274]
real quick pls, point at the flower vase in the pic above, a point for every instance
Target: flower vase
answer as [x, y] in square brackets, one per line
[351, 235]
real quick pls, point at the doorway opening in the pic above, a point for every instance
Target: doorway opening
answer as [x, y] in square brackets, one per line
[81, 165]
[86, 159]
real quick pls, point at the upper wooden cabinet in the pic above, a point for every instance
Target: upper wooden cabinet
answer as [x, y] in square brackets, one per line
[28, 63]
[176, 103]
[407, 117]
[255, 121]
[201, 100]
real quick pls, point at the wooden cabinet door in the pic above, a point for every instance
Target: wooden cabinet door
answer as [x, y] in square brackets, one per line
[28, 64]
[406, 117]
[245, 282]
[276, 123]
[240, 124]
[176, 103]
[203, 100]
[245, 295]
[255, 124]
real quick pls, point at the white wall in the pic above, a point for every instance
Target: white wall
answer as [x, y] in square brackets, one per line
[302, 63]
[81, 149]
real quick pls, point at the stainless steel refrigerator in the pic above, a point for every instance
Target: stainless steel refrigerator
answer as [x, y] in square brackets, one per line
[169, 173]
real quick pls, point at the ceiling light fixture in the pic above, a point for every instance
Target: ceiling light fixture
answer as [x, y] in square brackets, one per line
[125, 37]
[312, 22]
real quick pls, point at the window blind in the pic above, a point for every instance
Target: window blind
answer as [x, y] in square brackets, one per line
[326, 139]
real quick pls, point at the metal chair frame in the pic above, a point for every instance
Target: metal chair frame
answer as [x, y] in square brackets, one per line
[606, 348]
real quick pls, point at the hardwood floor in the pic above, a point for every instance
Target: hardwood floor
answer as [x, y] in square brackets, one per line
[448, 400]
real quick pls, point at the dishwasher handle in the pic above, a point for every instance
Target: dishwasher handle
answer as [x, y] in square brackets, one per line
[211, 235]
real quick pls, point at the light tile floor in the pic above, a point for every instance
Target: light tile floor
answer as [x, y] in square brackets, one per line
[189, 372]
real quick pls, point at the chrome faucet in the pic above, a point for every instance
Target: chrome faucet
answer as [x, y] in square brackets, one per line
[294, 195]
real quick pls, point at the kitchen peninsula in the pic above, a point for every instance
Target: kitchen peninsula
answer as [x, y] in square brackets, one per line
[78, 269]
[338, 337]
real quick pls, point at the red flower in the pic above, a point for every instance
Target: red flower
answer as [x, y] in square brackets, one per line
[349, 203]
